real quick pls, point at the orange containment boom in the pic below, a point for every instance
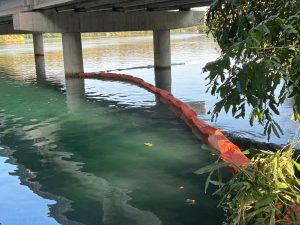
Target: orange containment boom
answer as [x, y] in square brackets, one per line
[207, 134]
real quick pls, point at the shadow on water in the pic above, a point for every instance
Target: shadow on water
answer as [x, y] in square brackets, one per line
[87, 154]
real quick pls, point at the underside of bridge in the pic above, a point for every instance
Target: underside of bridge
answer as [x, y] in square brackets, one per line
[73, 17]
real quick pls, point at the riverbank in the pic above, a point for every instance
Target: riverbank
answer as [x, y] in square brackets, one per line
[21, 38]
[10, 39]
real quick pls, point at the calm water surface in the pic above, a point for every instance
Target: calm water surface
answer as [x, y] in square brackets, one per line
[72, 151]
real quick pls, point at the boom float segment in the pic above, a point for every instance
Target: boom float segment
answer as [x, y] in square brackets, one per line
[207, 134]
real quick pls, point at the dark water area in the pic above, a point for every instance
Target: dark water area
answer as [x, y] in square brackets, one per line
[72, 151]
[87, 160]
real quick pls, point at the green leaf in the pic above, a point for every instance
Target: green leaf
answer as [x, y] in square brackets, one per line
[275, 110]
[259, 221]
[281, 185]
[246, 152]
[296, 117]
[216, 183]
[290, 29]
[279, 128]
[263, 202]
[210, 149]
[266, 152]
[255, 212]
[208, 181]
[272, 219]
[258, 211]
[297, 165]
[211, 167]
[275, 130]
[259, 52]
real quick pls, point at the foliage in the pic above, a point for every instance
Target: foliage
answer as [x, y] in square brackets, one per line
[259, 64]
[262, 192]
[8, 39]
[20, 38]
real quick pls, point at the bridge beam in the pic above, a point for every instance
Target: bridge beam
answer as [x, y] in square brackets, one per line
[6, 29]
[72, 51]
[105, 21]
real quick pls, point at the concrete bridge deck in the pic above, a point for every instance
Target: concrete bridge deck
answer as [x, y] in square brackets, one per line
[72, 17]
[10, 7]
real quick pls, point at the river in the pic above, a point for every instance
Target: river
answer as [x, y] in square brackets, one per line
[72, 151]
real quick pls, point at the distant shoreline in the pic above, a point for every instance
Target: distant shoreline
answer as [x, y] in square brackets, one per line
[12, 39]
[22, 38]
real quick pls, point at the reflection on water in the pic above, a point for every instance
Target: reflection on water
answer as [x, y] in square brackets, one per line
[75, 93]
[188, 81]
[199, 107]
[79, 144]
[19, 203]
[40, 68]
[20, 208]
[88, 161]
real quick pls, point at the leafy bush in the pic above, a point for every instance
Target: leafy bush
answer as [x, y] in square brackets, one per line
[260, 58]
[265, 191]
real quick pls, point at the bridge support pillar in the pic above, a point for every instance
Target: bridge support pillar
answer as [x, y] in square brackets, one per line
[38, 44]
[162, 49]
[163, 79]
[40, 69]
[72, 51]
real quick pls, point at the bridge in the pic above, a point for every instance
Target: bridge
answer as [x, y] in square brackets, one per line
[73, 17]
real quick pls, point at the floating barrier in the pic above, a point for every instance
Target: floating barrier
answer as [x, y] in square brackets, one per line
[207, 134]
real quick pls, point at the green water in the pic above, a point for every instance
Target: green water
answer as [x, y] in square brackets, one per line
[83, 156]
[73, 152]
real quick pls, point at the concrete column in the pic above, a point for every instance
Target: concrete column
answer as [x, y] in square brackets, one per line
[38, 44]
[40, 69]
[162, 49]
[72, 51]
[163, 79]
